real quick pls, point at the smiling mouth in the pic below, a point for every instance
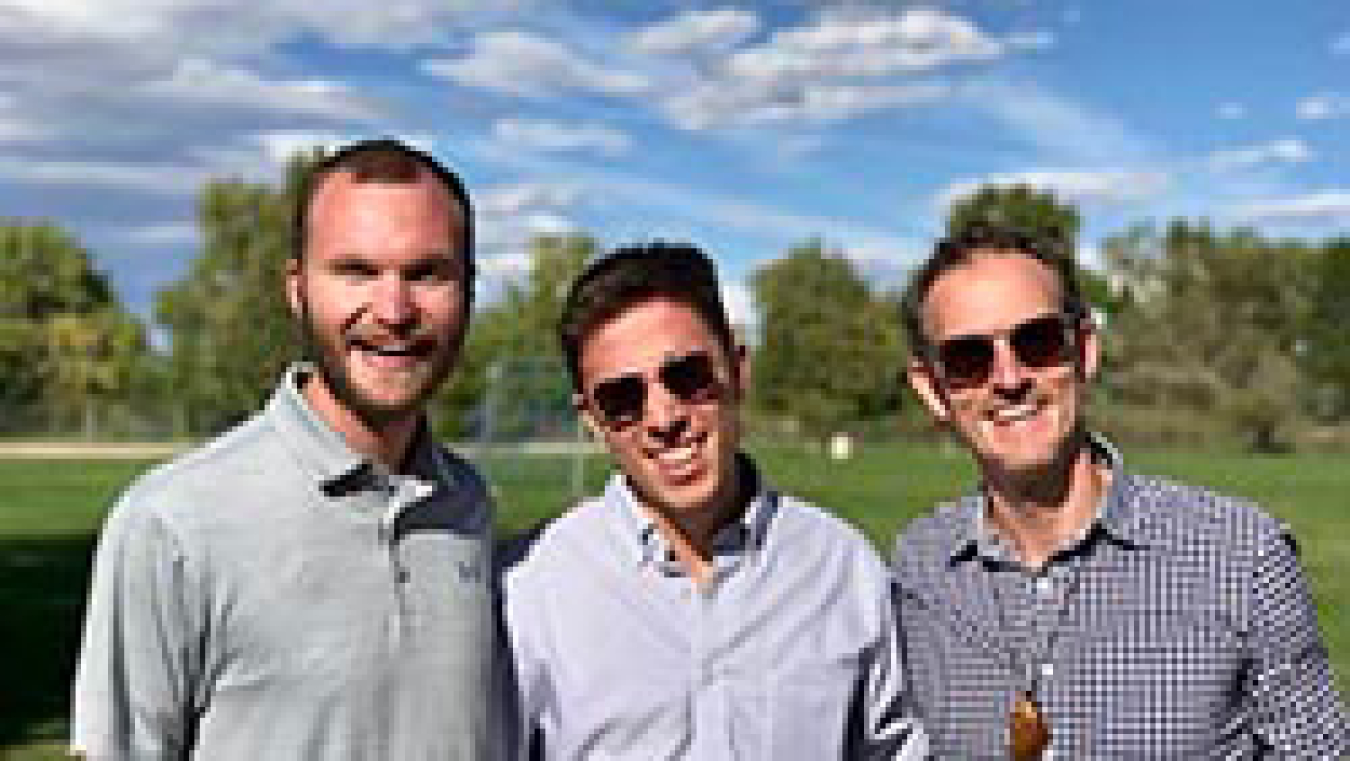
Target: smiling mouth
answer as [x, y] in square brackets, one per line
[681, 460]
[1016, 413]
[393, 354]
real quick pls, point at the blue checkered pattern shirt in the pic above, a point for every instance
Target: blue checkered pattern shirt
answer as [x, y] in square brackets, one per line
[1182, 628]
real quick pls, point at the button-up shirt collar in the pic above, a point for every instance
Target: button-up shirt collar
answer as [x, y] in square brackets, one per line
[974, 538]
[743, 535]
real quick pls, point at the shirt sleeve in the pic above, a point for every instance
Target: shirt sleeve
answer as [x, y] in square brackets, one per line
[137, 669]
[1297, 710]
[890, 729]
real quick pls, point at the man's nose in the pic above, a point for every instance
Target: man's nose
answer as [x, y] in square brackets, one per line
[392, 302]
[1008, 373]
[664, 412]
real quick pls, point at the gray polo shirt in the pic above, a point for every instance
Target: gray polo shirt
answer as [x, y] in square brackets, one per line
[274, 595]
[790, 654]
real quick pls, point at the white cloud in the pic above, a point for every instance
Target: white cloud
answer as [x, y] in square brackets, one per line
[509, 217]
[1065, 130]
[1285, 151]
[841, 44]
[716, 104]
[1342, 45]
[197, 81]
[694, 31]
[543, 135]
[170, 179]
[1106, 187]
[175, 27]
[162, 234]
[525, 65]
[508, 200]
[1232, 111]
[1332, 206]
[1323, 106]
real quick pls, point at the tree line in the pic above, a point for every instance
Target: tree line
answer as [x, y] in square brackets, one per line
[1210, 333]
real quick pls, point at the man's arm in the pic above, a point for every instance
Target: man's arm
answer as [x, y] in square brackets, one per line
[1297, 710]
[134, 684]
[890, 729]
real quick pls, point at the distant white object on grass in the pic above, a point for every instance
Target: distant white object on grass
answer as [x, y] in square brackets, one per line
[841, 446]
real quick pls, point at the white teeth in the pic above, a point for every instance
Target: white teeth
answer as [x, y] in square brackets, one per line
[391, 349]
[1014, 414]
[676, 456]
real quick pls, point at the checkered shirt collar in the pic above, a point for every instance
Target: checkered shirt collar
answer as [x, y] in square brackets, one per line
[1118, 514]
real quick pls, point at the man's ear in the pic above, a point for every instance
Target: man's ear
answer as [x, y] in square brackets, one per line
[1089, 349]
[587, 418]
[740, 369]
[294, 287]
[923, 379]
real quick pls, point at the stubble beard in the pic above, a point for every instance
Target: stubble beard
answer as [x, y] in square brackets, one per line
[335, 372]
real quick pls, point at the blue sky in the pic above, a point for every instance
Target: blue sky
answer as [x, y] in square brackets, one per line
[745, 127]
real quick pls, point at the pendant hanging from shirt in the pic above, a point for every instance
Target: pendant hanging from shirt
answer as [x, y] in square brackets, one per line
[1028, 733]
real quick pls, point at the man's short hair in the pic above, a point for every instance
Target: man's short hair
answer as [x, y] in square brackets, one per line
[381, 160]
[978, 241]
[631, 275]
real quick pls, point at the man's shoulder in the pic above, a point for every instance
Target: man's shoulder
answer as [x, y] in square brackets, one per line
[802, 525]
[1173, 511]
[209, 473]
[555, 542]
[931, 537]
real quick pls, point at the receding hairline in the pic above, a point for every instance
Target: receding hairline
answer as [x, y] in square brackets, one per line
[424, 179]
[976, 255]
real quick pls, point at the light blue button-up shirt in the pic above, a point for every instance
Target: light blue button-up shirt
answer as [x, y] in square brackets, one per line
[791, 652]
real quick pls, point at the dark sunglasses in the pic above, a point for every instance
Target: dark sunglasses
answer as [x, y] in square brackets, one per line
[622, 400]
[1038, 343]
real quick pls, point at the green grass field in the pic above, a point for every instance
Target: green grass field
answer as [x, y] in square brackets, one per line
[52, 510]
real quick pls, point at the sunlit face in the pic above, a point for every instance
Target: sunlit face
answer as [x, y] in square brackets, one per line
[381, 293]
[1020, 419]
[680, 454]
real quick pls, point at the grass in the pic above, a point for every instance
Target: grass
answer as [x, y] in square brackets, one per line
[52, 511]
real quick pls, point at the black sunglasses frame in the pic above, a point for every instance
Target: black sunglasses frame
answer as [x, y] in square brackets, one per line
[966, 361]
[621, 400]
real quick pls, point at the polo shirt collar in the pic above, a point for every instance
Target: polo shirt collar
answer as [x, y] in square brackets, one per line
[1116, 513]
[644, 542]
[323, 452]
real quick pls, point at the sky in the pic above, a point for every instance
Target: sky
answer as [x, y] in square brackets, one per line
[745, 128]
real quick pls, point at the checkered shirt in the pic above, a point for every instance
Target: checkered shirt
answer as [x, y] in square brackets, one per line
[1187, 633]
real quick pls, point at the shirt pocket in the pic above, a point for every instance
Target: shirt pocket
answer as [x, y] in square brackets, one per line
[809, 709]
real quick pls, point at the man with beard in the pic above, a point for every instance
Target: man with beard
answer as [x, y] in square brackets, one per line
[692, 612]
[1071, 608]
[315, 584]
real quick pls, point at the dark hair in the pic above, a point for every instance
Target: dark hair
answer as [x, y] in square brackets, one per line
[977, 241]
[382, 160]
[634, 274]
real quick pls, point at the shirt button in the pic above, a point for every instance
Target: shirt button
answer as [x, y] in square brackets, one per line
[1045, 585]
[401, 575]
[1047, 669]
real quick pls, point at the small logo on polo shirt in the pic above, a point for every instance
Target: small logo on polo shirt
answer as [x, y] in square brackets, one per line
[470, 571]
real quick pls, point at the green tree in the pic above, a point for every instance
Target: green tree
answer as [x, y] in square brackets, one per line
[91, 362]
[1324, 353]
[1020, 206]
[830, 350]
[511, 378]
[1212, 327]
[231, 330]
[66, 344]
